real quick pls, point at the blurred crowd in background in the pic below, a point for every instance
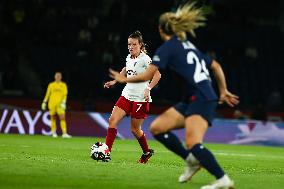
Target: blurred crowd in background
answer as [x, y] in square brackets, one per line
[83, 39]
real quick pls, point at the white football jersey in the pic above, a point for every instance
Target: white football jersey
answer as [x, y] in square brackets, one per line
[134, 66]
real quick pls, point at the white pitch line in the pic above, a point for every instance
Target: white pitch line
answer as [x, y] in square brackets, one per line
[222, 153]
[219, 153]
[22, 146]
[235, 154]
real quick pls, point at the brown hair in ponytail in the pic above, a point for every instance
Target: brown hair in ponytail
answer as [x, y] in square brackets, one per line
[138, 35]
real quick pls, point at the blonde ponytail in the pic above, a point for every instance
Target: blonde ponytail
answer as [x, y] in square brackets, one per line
[186, 19]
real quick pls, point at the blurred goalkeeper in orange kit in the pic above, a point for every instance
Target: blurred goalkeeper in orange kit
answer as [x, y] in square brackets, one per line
[56, 96]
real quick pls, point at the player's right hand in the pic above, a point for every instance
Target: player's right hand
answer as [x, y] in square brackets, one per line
[109, 84]
[43, 106]
[147, 95]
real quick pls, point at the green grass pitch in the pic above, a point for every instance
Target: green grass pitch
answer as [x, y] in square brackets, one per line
[45, 162]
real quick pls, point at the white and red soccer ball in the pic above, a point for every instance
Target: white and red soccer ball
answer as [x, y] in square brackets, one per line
[100, 152]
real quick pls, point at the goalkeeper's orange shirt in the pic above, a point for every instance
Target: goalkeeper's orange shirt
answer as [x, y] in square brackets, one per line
[56, 93]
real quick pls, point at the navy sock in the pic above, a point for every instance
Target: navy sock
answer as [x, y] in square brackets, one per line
[172, 143]
[207, 160]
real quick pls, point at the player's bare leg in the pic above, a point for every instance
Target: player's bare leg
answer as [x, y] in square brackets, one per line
[161, 129]
[167, 121]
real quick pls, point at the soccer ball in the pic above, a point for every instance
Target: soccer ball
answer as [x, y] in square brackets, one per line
[100, 152]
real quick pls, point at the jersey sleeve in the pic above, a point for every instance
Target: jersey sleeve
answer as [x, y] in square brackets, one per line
[65, 92]
[208, 60]
[147, 60]
[47, 94]
[161, 57]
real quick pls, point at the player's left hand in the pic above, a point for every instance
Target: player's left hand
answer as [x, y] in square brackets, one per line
[147, 94]
[229, 98]
[117, 76]
[63, 105]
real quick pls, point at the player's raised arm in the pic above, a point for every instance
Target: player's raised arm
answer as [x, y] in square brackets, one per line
[225, 95]
[145, 76]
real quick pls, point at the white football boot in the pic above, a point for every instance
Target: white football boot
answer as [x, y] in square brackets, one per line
[54, 135]
[223, 183]
[66, 136]
[192, 167]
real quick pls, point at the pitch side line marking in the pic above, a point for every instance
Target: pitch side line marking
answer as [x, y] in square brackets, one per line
[219, 153]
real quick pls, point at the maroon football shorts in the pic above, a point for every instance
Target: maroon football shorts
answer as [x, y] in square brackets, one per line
[138, 110]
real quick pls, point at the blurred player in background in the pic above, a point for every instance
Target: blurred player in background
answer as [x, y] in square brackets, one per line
[56, 96]
[196, 112]
[135, 97]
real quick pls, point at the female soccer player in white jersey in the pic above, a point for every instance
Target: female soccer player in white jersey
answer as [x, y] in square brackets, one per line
[196, 112]
[135, 97]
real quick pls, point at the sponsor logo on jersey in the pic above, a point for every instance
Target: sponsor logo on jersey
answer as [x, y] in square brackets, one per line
[131, 72]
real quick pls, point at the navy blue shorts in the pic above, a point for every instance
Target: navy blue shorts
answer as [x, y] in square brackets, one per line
[206, 109]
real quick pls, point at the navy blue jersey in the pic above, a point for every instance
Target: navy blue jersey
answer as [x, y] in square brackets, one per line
[191, 64]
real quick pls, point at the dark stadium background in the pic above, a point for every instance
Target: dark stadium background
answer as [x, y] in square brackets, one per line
[85, 38]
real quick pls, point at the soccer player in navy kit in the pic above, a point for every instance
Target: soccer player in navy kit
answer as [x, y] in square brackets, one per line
[196, 112]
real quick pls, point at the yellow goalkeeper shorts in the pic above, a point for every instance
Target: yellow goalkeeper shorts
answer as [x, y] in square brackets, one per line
[56, 109]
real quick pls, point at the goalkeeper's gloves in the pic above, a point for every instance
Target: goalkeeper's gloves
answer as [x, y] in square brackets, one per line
[43, 105]
[63, 105]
